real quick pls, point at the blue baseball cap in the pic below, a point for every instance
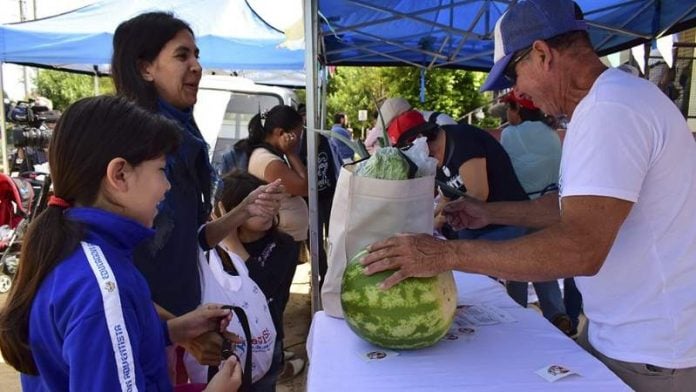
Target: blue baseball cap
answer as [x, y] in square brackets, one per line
[521, 25]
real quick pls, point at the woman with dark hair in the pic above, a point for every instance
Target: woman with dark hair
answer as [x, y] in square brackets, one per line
[155, 64]
[273, 139]
[273, 155]
[79, 315]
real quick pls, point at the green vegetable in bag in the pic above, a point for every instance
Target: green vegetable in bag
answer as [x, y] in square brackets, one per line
[386, 164]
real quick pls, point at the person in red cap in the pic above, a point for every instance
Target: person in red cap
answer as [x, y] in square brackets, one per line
[470, 162]
[623, 221]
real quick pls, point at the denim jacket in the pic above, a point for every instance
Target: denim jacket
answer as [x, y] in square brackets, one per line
[169, 261]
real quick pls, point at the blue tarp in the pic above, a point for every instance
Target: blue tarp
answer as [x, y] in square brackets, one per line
[229, 34]
[458, 33]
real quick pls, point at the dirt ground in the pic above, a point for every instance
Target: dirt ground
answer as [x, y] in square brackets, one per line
[297, 320]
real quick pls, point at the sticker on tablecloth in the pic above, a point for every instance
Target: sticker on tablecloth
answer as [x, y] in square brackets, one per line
[553, 373]
[457, 332]
[377, 354]
[482, 315]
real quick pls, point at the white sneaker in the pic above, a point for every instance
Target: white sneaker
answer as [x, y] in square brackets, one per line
[292, 368]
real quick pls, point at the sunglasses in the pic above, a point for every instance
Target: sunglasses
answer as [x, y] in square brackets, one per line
[510, 73]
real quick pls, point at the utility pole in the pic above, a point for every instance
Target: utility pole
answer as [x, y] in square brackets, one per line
[35, 17]
[22, 18]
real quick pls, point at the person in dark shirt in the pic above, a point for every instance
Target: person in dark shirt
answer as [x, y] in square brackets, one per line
[472, 163]
[271, 258]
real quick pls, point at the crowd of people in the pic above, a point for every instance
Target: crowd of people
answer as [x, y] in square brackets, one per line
[109, 294]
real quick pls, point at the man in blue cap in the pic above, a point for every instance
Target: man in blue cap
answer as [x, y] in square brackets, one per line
[624, 225]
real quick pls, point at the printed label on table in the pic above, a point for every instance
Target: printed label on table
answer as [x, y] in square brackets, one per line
[460, 333]
[377, 355]
[553, 373]
[482, 315]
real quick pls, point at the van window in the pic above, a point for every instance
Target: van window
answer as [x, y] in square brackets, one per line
[235, 125]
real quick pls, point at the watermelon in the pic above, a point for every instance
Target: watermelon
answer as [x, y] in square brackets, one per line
[415, 313]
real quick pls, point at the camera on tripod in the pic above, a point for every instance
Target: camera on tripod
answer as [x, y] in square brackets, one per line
[30, 124]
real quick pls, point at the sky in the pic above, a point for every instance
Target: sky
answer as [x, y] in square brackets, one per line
[9, 9]
[13, 75]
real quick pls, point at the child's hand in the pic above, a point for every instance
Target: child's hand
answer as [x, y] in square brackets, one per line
[264, 201]
[207, 318]
[205, 348]
[228, 377]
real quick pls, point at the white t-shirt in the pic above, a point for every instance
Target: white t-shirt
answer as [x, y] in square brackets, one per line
[535, 153]
[627, 140]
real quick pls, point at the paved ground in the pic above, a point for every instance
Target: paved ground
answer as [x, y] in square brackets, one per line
[297, 320]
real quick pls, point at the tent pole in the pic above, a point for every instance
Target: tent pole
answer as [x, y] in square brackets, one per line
[646, 59]
[311, 73]
[322, 100]
[3, 126]
[96, 80]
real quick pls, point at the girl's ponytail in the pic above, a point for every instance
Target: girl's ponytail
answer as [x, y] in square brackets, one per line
[50, 238]
[257, 132]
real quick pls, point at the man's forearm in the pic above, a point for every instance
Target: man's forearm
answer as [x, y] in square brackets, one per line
[548, 254]
[538, 213]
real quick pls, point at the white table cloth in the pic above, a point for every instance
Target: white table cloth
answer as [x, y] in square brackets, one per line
[503, 356]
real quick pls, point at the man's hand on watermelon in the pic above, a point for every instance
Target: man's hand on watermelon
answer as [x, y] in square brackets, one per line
[408, 255]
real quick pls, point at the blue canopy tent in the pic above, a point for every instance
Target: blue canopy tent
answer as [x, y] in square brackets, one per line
[452, 34]
[81, 40]
[458, 33]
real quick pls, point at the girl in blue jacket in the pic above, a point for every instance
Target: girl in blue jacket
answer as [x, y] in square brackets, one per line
[80, 316]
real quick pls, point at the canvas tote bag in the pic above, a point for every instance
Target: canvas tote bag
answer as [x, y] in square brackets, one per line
[366, 210]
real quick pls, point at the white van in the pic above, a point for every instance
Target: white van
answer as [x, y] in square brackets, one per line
[225, 106]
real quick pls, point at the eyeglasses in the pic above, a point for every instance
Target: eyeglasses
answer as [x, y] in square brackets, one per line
[428, 130]
[510, 73]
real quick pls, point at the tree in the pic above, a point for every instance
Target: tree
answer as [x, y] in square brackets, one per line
[64, 88]
[352, 89]
[454, 92]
